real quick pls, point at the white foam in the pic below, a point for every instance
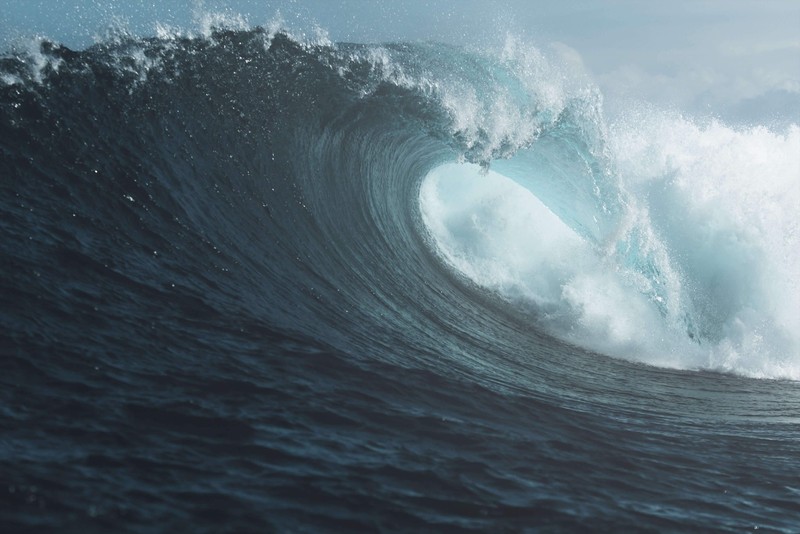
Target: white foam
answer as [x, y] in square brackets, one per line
[726, 202]
[697, 263]
[38, 62]
[498, 100]
[207, 22]
[503, 238]
[10, 79]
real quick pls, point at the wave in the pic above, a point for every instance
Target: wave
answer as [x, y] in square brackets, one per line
[339, 180]
[385, 286]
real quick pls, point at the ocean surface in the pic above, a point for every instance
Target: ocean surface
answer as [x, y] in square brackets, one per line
[253, 282]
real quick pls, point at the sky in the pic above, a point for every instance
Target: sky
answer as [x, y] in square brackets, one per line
[737, 59]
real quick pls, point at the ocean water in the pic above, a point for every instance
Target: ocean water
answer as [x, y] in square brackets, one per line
[253, 282]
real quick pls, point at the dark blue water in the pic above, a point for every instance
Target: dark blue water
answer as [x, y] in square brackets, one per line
[222, 312]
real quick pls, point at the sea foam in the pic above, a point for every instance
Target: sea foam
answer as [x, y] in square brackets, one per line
[696, 267]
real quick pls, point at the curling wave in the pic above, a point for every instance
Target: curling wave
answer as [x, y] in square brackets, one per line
[242, 240]
[678, 240]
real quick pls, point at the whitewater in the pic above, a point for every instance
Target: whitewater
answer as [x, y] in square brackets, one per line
[698, 272]
[656, 238]
[257, 280]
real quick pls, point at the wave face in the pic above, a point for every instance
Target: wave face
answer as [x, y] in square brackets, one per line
[253, 282]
